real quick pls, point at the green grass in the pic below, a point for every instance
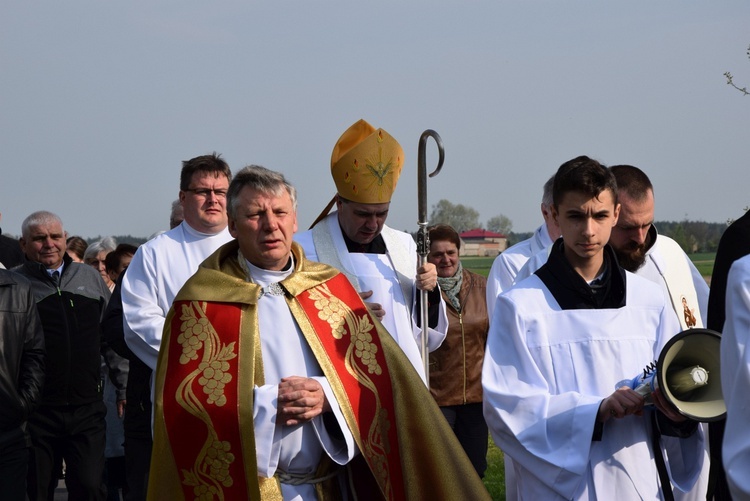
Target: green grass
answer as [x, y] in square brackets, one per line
[494, 477]
[479, 265]
[704, 261]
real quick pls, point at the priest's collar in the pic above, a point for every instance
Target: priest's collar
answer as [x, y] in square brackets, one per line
[263, 277]
[192, 231]
[376, 246]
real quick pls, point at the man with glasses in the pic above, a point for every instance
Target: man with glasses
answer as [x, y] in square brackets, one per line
[162, 265]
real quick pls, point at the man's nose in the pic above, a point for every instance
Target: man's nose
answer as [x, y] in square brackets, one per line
[272, 223]
[588, 226]
[639, 235]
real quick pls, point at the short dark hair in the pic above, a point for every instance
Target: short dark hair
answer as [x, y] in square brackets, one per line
[633, 181]
[585, 175]
[260, 179]
[444, 232]
[112, 261]
[204, 163]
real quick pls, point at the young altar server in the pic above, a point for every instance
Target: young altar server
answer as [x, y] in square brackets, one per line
[561, 343]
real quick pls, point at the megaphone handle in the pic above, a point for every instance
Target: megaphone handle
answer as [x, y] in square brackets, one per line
[645, 390]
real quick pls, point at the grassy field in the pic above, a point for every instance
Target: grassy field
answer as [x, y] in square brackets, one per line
[703, 261]
[494, 478]
[479, 265]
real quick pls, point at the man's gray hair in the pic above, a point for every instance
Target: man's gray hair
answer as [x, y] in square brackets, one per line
[547, 192]
[176, 216]
[106, 244]
[38, 218]
[260, 179]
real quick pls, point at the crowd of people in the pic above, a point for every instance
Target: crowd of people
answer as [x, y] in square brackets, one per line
[232, 357]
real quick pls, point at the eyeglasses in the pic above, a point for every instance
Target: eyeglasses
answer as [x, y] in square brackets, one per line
[206, 192]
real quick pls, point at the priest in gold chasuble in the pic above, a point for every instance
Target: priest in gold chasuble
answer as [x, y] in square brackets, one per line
[275, 382]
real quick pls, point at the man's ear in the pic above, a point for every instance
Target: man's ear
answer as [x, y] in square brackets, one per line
[545, 212]
[232, 227]
[554, 214]
[617, 214]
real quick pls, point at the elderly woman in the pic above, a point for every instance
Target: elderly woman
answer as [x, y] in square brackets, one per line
[456, 367]
[95, 256]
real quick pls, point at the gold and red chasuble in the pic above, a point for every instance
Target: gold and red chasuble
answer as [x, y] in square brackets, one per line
[203, 421]
[210, 361]
[353, 357]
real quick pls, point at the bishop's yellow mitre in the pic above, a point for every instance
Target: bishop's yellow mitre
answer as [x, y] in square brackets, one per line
[366, 164]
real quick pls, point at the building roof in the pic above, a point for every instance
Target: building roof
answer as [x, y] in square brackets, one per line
[480, 233]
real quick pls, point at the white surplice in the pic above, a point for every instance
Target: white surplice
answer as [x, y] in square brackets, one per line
[505, 267]
[159, 269]
[735, 379]
[290, 449]
[377, 272]
[545, 373]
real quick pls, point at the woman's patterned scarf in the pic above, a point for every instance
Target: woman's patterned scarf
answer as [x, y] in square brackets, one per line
[452, 286]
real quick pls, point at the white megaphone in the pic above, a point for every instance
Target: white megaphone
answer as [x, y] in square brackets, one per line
[688, 374]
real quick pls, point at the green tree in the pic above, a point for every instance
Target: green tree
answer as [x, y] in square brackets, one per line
[461, 217]
[500, 224]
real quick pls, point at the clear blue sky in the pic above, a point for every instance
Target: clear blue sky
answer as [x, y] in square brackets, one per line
[101, 101]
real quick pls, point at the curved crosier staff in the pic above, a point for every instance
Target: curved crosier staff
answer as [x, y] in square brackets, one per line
[423, 237]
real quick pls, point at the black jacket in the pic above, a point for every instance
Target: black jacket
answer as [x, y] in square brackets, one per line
[11, 254]
[70, 315]
[21, 357]
[137, 421]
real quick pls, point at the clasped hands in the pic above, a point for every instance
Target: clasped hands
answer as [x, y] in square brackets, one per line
[300, 400]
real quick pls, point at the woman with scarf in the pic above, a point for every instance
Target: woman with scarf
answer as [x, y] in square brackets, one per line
[456, 367]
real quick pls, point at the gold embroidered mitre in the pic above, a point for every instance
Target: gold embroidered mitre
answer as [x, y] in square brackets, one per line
[366, 163]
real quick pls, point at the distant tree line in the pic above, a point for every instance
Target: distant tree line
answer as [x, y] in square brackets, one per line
[463, 218]
[692, 236]
[121, 239]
